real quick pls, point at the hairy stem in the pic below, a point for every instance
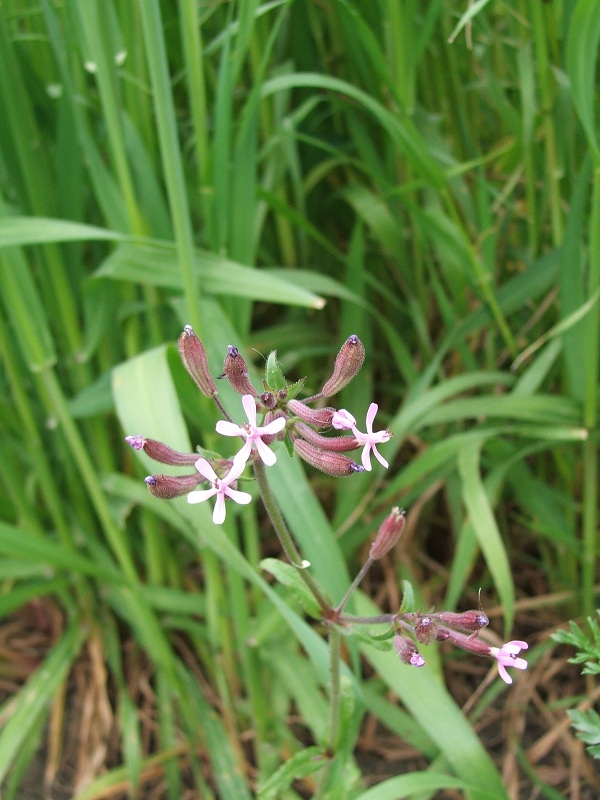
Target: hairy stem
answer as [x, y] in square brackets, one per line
[285, 537]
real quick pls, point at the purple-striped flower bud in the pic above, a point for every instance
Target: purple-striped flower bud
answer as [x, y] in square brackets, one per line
[193, 356]
[347, 364]
[319, 417]
[167, 487]
[407, 651]
[331, 463]
[161, 452]
[467, 620]
[236, 371]
[388, 533]
[337, 444]
[470, 643]
[425, 628]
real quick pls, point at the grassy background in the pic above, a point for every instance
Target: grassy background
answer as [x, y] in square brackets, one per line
[281, 175]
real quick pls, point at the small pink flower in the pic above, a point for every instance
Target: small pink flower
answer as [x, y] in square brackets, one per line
[252, 433]
[507, 657]
[371, 439]
[221, 487]
[343, 420]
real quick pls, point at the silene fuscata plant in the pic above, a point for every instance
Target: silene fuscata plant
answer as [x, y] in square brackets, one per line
[306, 426]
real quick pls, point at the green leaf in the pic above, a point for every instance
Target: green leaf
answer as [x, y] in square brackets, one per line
[151, 263]
[274, 377]
[404, 786]
[486, 530]
[40, 230]
[288, 575]
[301, 764]
[408, 597]
[581, 56]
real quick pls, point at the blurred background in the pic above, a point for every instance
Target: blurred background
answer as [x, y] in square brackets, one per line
[422, 173]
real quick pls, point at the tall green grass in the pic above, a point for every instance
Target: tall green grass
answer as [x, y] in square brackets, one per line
[280, 175]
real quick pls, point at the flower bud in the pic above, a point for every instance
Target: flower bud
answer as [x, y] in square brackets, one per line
[425, 628]
[470, 643]
[467, 621]
[347, 364]
[337, 444]
[388, 533]
[236, 371]
[161, 452]
[407, 651]
[167, 487]
[193, 356]
[319, 417]
[331, 463]
[268, 400]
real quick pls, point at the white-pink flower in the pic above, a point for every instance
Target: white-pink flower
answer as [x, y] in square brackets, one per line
[507, 657]
[371, 439]
[221, 487]
[343, 420]
[252, 433]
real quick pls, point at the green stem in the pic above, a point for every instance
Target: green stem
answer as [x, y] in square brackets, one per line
[363, 571]
[285, 537]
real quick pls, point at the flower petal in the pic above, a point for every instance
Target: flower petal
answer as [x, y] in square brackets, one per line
[371, 416]
[343, 420]
[503, 673]
[243, 498]
[237, 468]
[205, 469]
[275, 426]
[267, 455]
[244, 454]
[226, 428]
[201, 495]
[219, 512]
[249, 408]
[366, 457]
[380, 458]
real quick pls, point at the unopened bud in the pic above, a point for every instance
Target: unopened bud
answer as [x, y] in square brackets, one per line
[337, 444]
[347, 364]
[193, 356]
[331, 463]
[268, 400]
[470, 643]
[467, 621]
[388, 533]
[167, 487]
[319, 417]
[161, 452]
[236, 371]
[425, 628]
[407, 651]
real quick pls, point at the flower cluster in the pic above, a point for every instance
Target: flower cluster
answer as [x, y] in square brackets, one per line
[322, 436]
[284, 417]
[441, 627]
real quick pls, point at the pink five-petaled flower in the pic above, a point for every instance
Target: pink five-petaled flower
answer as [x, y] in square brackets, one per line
[221, 487]
[507, 657]
[252, 432]
[371, 439]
